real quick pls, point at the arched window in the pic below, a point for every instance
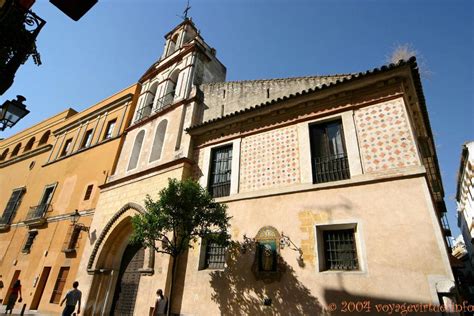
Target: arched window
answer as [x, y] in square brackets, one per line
[147, 108]
[158, 141]
[4, 155]
[137, 146]
[170, 95]
[29, 144]
[16, 150]
[173, 45]
[44, 138]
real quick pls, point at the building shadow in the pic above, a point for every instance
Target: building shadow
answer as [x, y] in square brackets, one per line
[237, 291]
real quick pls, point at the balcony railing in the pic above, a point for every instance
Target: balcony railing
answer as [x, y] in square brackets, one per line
[4, 222]
[220, 189]
[36, 214]
[330, 168]
[445, 225]
[147, 110]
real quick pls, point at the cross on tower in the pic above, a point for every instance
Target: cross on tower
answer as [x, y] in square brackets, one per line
[185, 16]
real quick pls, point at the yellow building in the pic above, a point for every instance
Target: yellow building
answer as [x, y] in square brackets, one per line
[49, 179]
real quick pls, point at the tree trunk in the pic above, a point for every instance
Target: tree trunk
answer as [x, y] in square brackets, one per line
[173, 274]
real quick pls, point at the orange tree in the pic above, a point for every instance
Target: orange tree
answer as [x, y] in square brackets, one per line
[172, 224]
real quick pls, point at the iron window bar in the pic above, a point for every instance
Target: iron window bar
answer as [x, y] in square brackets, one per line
[340, 250]
[330, 168]
[147, 110]
[215, 256]
[221, 168]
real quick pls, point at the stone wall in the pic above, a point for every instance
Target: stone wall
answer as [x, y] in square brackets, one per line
[223, 98]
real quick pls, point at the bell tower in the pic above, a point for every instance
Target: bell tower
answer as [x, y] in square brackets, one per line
[167, 103]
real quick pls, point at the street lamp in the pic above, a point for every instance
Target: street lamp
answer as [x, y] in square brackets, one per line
[75, 217]
[12, 111]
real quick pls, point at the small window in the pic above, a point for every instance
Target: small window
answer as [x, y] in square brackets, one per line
[29, 241]
[340, 251]
[328, 155]
[137, 146]
[88, 194]
[44, 138]
[212, 255]
[16, 150]
[12, 206]
[220, 171]
[29, 144]
[4, 155]
[157, 147]
[59, 285]
[72, 237]
[110, 129]
[67, 147]
[87, 140]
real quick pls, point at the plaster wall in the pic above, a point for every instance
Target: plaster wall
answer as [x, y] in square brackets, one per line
[377, 139]
[168, 151]
[387, 215]
[111, 201]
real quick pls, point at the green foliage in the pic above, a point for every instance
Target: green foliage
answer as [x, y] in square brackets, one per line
[184, 212]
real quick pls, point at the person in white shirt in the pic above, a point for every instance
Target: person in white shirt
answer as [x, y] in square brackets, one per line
[72, 298]
[161, 304]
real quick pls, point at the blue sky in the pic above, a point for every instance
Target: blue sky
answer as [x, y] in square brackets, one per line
[113, 45]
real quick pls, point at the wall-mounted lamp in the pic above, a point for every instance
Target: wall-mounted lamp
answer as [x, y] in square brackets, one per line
[75, 218]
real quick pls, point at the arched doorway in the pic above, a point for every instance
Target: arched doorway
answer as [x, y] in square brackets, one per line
[114, 263]
[128, 280]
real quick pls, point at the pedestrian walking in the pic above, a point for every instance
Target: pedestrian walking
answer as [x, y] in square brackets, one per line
[161, 304]
[72, 298]
[14, 292]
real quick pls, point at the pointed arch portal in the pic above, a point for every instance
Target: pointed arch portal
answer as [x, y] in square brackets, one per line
[116, 266]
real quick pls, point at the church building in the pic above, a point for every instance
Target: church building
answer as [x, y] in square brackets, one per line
[332, 183]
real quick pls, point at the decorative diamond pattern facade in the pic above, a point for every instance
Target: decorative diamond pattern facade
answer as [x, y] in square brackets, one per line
[384, 137]
[270, 160]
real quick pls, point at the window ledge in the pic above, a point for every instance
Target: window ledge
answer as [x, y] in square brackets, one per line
[329, 272]
[302, 187]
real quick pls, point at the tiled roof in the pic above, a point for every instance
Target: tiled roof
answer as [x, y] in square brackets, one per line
[326, 82]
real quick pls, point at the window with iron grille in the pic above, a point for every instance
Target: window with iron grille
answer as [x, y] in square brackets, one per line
[12, 206]
[340, 250]
[71, 238]
[88, 194]
[29, 241]
[59, 285]
[215, 256]
[220, 171]
[328, 154]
